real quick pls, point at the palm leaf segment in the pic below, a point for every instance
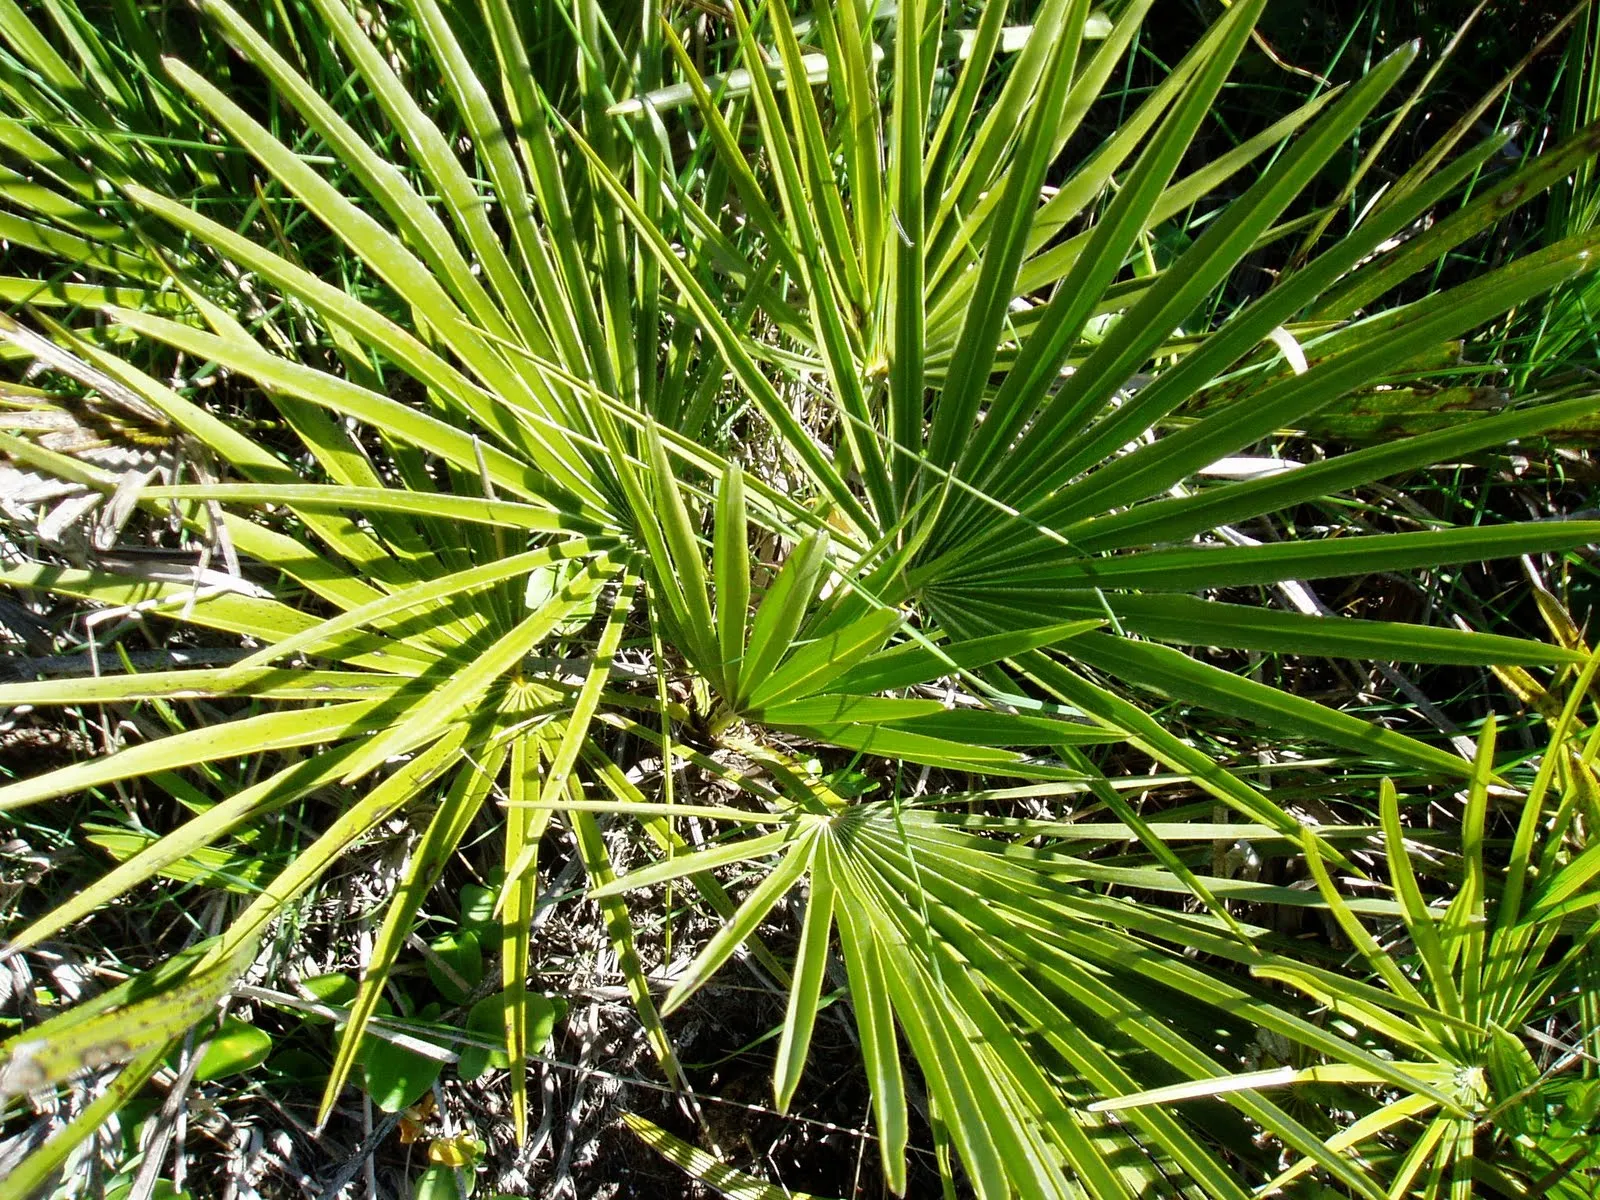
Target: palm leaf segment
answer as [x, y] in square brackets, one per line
[967, 509]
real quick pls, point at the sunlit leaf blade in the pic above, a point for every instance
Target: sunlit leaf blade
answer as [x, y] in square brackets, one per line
[54, 1050]
[705, 1168]
[444, 832]
[796, 858]
[781, 613]
[731, 564]
[259, 799]
[809, 968]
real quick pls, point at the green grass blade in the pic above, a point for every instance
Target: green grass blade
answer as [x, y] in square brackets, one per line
[449, 824]
[1420, 920]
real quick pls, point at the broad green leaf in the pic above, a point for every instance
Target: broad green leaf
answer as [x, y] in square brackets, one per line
[236, 1047]
[487, 1021]
[440, 1182]
[397, 1077]
[461, 954]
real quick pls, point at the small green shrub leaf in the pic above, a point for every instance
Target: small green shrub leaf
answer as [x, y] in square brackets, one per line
[235, 1048]
[460, 952]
